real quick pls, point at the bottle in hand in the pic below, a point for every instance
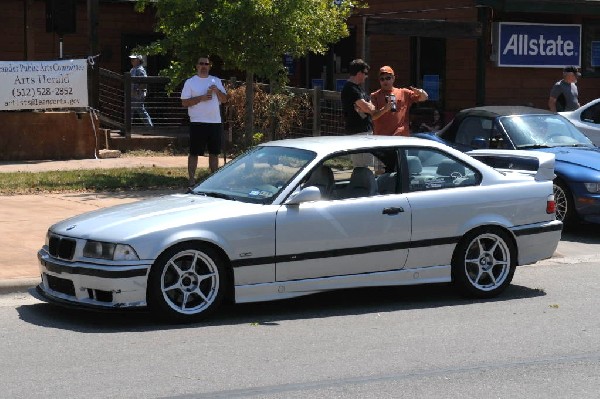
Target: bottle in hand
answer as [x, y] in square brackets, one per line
[393, 101]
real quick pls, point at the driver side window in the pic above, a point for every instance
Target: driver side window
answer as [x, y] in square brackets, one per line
[355, 175]
[592, 114]
[474, 132]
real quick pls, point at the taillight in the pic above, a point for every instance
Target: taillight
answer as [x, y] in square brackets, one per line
[550, 204]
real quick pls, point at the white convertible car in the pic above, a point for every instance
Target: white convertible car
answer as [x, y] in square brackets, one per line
[296, 217]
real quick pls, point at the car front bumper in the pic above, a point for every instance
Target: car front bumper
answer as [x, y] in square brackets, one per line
[587, 206]
[92, 285]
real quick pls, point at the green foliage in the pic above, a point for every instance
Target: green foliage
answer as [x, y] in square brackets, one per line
[258, 138]
[274, 113]
[247, 35]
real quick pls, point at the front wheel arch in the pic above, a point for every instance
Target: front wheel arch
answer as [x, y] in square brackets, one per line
[487, 247]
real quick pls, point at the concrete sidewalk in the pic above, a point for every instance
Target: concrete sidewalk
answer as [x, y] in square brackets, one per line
[24, 219]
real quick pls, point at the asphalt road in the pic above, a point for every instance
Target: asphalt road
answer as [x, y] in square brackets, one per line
[540, 339]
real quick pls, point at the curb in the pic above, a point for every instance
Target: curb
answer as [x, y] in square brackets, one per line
[12, 286]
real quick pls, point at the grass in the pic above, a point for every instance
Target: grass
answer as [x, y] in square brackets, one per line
[96, 180]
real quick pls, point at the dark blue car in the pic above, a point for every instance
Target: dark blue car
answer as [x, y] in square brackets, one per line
[577, 168]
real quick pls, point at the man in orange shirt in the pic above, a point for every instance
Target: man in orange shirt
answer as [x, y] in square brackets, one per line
[394, 121]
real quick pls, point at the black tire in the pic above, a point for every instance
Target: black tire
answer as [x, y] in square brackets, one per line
[565, 209]
[484, 263]
[186, 283]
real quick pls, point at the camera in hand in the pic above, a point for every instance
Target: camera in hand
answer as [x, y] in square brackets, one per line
[392, 99]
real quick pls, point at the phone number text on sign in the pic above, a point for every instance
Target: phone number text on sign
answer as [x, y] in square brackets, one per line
[43, 84]
[42, 91]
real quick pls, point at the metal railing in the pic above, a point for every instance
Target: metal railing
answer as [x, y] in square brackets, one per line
[320, 115]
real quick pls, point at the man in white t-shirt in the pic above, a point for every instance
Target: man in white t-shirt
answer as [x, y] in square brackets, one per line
[201, 95]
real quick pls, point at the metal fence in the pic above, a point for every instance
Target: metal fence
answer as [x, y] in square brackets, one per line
[115, 102]
[320, 114]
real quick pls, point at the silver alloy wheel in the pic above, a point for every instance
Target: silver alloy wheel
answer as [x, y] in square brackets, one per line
[487, 262]
[190, 282]
[562, 204]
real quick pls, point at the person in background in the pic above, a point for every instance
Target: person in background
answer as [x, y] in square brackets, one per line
[358, 109]
[201, 95]
[435, 125]
[564, 95]
[395, 105]
[139, 91]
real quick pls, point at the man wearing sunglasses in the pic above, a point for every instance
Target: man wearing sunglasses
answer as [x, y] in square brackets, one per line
[201, 95]
[358, 109]
[395, 104]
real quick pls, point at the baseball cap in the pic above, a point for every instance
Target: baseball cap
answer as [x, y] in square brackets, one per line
[139, 57]
[573, 69]
[386, 69]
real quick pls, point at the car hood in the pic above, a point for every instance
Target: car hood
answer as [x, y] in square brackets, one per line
[582, 156]
[124, 222]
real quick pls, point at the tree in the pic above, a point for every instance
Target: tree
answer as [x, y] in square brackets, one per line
[247, 35]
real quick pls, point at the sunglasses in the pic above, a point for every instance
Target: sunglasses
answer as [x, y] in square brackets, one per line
[203, 63]
[386, 78]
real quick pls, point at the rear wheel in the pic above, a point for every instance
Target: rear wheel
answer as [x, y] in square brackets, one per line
[186, 283]
[484, 263]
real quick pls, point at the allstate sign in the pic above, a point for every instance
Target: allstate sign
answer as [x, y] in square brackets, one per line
[537, 45]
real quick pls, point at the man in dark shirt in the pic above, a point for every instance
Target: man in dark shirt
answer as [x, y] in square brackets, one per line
[356, 105]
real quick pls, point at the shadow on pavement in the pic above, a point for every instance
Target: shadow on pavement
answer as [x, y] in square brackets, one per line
[582, 233]
[329, 304]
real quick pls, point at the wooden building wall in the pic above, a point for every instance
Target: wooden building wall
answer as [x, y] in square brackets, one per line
[34, 44]
[502, 85]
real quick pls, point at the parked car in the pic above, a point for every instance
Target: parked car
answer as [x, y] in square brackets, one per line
[577, 168]
[587, 119]
[297, 217]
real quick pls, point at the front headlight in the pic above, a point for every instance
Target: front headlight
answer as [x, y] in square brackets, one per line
[593, 187]
[109, 251]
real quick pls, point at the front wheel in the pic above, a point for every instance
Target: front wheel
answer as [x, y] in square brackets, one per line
[484, 263]
[565, 211]
[186, 283]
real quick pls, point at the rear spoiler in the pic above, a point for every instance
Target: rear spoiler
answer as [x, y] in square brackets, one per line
[537, 163]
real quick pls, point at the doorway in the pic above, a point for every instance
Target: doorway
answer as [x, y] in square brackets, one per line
[428, 70]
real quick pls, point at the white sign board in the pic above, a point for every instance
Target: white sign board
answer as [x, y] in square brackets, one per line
[43, 84]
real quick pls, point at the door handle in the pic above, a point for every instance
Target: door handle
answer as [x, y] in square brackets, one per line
[392, 210]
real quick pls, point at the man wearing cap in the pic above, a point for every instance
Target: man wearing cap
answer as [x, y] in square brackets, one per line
[138, 90]
[564, 95]
[395, 105]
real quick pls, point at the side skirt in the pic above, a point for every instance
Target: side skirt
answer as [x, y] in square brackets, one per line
[290, 289]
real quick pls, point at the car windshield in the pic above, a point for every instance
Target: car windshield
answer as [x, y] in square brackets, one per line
[541, 131]
[257, 176]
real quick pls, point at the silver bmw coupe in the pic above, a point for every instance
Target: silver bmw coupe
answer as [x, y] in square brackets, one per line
[296, 217]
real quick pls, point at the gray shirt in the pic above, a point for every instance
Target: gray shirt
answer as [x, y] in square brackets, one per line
[570, 94]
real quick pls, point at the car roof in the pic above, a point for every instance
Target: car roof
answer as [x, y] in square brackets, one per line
[330, 144]
[493, 111]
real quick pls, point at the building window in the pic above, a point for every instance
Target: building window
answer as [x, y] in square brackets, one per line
[590, 59]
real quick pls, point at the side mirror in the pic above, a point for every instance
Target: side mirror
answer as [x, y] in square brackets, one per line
[307, 194]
